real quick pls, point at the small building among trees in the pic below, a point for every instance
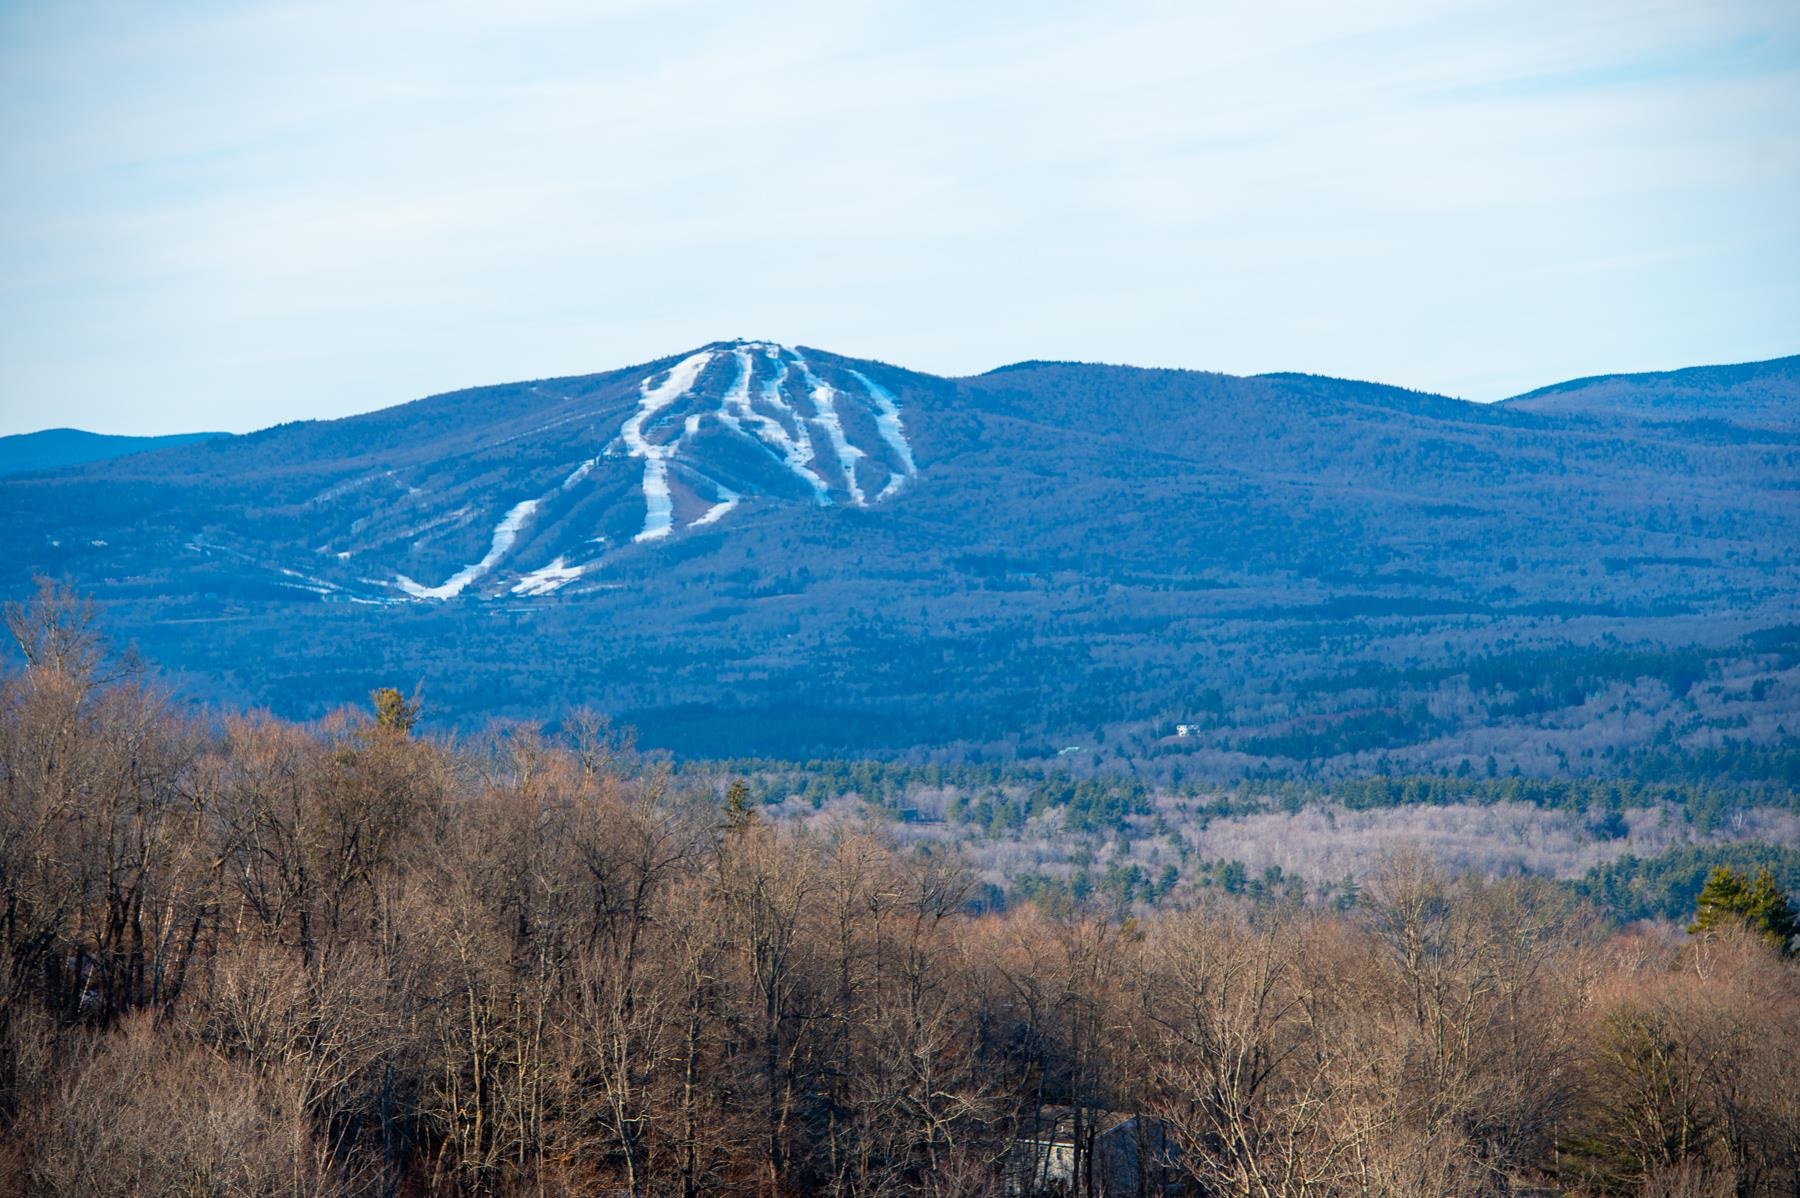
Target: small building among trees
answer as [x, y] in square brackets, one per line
[1108, 1153]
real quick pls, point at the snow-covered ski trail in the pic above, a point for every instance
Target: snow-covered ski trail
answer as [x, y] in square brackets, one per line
[887, 423]
[658, 506]
[825, 415]
[505, 533]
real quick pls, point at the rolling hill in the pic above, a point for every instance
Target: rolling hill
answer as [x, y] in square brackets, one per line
[52, 448]
[1755, 393]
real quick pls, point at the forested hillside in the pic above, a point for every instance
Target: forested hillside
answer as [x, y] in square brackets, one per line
[757, 550]
[351, 958]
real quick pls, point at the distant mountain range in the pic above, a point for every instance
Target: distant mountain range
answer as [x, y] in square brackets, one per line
[752, 548]
[1756, 393]
[55, 447]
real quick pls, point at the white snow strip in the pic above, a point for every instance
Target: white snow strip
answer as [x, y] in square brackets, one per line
[312, 584]
[345, 487]
[505, 533]
[545, 579]
[887, 422]
[676, 383]
[659, 508]
[728, 499]
[580, 472]
[538, 428]
[824, 398]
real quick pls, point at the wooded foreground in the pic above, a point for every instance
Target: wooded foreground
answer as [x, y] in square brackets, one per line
[249, 957]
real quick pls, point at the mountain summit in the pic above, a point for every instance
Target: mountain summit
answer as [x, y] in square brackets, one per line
[736, 422]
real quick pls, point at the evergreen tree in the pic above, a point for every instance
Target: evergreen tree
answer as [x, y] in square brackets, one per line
[1608, 818]
[739, 814]
[1730, 899]
[394, 712]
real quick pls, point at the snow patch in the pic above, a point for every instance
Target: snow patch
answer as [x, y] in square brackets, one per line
[546, 579]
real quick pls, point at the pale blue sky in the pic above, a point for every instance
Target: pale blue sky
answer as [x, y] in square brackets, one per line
[224, 215]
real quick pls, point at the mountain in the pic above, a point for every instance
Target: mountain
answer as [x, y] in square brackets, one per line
[55, 447]
[1755, 393]
[752, 548]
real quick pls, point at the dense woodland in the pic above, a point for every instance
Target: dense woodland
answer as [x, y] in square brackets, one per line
[1117, 843]
[250, 957]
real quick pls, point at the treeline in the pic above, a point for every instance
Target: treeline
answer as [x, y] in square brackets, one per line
[1625, 890]
[1667, 885]
[1122, 887]
[1706, 805]
[249, 957]
[1002, 798]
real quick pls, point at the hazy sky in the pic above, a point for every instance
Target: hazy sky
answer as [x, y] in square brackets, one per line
[224, 215]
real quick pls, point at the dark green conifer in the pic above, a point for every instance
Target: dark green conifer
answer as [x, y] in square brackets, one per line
[1730, 899]
[739, 814]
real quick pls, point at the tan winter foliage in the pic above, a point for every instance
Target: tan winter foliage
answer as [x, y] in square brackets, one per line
[343, 959]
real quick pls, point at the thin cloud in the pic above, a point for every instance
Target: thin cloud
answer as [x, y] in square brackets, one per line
[228, 216]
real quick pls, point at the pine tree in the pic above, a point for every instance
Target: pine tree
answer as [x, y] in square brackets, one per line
[739, 814]
[1772, 913]
[393, 711]
[1730, 899]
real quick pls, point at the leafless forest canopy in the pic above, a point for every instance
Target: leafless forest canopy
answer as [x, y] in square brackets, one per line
[245, 956]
